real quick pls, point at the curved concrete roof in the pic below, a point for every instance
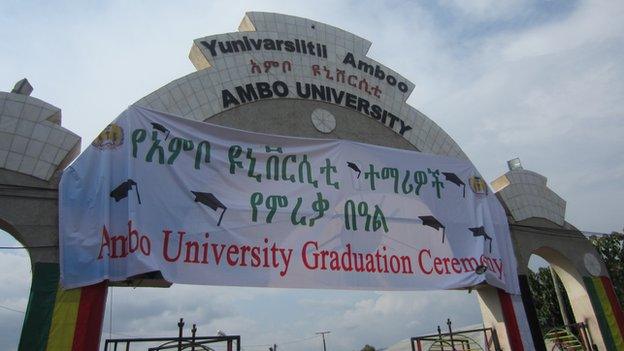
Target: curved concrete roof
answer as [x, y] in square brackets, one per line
[199, 95]
[32, 141]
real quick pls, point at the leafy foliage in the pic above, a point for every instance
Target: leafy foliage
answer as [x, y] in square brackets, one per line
[611, 249]
[545, 299]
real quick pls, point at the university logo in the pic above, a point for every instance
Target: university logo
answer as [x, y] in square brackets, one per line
[478, 185]
[110, 138]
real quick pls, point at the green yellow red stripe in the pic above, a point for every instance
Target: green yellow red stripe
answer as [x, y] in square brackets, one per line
[58, 319]
[40, 308]
[617, 308]
[90, 317]
[599, 311]
[608, 311]
[63, 324]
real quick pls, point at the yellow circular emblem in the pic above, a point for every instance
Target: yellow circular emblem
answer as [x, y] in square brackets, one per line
[110, 138]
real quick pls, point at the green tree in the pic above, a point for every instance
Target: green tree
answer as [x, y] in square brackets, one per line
[367, 347]
[611, 249]
[545, 299]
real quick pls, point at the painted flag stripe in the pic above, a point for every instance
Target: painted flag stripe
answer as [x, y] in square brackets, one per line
[598, 309]
[64, 319]
[609, 315]
[40, 308]
[511, 323]
[617, 308]
[523, 324]
[90, 317]
[531, 314]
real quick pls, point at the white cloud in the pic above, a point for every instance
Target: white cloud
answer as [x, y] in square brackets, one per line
[14, 290]
[551, 94]
[486, 10]
[592, 22]
[385, 318]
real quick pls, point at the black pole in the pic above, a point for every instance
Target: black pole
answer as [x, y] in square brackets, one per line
[193, 331]
[323, 335]
[448, 322]
[180, 326]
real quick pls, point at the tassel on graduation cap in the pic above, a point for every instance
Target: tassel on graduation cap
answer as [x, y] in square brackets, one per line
[121, 191]
[354, 167]
[159, 127]
[211, 201]
[453, 178]
[431, 221]
[480, 231]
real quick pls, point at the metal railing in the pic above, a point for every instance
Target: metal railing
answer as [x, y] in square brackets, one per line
[456, 341]
[179, 343]
[571, 337]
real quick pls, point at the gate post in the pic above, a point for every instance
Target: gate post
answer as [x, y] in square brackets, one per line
[55, 319]
[505, 313]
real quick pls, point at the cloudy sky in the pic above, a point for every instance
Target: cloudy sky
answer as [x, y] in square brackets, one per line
[539, 80]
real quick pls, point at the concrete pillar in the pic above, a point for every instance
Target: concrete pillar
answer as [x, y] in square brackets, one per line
[34, 149]
[492, 314]
[505, 313]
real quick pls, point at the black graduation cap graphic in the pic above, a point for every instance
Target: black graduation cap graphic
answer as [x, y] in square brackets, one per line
[159, 127]
[121, 191]
[481, 269]
[354, 167]
[480, 231]
[453, 178]
[432, 222]
[211, 201]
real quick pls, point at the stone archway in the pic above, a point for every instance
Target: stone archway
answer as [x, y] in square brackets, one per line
[568, 260]
[574, 285]
[574, 307]
[537, 221]
[34, 149]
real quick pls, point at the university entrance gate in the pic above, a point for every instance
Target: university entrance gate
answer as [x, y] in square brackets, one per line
[289, 76]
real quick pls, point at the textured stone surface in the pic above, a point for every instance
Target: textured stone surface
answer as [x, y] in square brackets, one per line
[32, 141]
[34, 149]
[198, 96]
[292, 117]
[526, 195]
[22, 87]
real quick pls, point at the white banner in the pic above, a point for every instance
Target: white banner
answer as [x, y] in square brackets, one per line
[205, 204]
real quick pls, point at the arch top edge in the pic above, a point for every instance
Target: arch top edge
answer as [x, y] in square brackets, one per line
[201, 95]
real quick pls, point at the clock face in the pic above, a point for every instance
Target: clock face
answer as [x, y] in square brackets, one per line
[323, 121]
[592, 264]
